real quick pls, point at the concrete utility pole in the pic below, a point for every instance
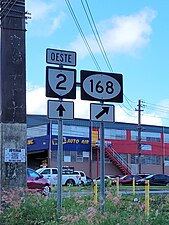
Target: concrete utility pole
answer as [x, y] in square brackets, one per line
[12, 96]
[139, 135]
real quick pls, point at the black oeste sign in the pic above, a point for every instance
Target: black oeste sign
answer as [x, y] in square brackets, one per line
[101, 86]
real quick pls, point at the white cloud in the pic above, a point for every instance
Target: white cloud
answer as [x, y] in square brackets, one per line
[36, 101]
[120, 34]
[45, 18]
[39, 9]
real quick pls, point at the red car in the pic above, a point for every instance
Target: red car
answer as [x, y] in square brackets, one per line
[37, 182]
[128, 179]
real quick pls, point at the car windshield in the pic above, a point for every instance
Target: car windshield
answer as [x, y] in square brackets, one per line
[31, 173]
[148, 177]
[39, 170]
[124, 177]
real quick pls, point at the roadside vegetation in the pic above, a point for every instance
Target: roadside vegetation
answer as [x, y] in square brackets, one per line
[34, 209]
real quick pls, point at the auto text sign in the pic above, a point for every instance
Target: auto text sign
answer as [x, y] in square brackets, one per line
[60, 82]
[60, 57]
[101, 86]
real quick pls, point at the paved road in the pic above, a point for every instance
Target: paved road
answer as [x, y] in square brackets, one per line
[87, 192]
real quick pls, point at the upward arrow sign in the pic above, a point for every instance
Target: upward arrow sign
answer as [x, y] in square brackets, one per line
[60, 109]
[104, 110]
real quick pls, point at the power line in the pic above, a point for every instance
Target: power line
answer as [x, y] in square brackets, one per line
[8, 9]
[82, 34]
[96, 34]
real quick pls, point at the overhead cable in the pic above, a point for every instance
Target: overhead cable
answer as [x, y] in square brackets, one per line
[96, 34]
[82, 34]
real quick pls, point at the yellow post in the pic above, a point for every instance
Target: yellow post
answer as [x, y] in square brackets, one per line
[134, 189]
[95, 192]
[117, 186]
[147, 197]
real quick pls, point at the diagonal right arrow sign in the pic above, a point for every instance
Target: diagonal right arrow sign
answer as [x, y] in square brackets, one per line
[105, 110]
[102, 112]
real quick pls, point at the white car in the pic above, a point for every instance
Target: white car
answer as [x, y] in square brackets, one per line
[83, 176]
[68, 179]
[107, 178]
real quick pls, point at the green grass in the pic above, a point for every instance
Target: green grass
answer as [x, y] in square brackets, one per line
[123, 210]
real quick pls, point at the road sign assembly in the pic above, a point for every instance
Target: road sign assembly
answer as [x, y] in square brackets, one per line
[101, 86]
[60, 82]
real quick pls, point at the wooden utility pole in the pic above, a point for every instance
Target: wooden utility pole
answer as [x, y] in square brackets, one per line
[13, 145]
[139, 135]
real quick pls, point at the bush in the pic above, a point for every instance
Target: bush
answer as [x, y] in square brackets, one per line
[122, 210]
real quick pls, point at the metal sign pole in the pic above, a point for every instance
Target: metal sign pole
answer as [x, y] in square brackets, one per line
[60, 158]
[102, 168]
[50, 144]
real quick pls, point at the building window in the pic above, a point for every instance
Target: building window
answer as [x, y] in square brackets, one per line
[146, 159]
[37, 131]
[115, 134]
[76, 156]
[146, 136]
[167, 158]
[150, 159]
[134, 159]
[73, 131]
[79, 157]
[166, 138]
[73, 156]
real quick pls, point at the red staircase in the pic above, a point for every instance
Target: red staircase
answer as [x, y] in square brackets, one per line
[117, 160]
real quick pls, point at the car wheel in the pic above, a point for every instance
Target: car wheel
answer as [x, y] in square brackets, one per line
[82, 183]
[70, 183]
[46, 190]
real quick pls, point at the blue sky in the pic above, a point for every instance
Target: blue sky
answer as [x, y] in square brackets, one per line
[135, 38]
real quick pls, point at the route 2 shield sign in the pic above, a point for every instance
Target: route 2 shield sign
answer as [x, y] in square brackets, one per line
[60, 82]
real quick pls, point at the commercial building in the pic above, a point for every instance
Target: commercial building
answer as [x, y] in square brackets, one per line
[81, 146]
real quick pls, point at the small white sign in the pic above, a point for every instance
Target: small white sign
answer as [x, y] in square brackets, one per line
[14, 155]
[60, 109]
[102, 112]
[60, 57]
[146, 147]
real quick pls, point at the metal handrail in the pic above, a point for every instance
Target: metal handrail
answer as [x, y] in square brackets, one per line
[120, 159]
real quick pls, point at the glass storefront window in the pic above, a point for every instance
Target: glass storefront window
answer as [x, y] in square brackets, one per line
[146, 159]
[166, 138]
[115, 134]
[146, 136]
[74, 131]
[37, 131]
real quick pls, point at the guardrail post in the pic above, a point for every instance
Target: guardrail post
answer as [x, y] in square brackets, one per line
[147, 197]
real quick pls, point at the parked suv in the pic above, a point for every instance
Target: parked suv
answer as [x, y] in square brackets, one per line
[68, 178]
